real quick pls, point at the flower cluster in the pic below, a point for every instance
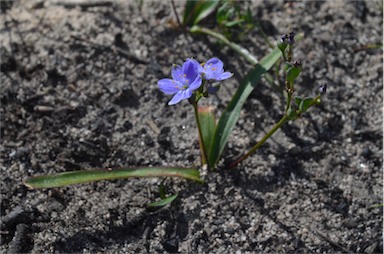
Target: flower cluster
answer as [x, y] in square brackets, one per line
[289, 38]
[190, 76]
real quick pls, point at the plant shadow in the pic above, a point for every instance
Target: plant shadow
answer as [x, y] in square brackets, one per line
[136, 229]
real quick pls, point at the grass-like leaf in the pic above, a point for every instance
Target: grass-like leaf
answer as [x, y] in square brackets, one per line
[197, 10]
[236, 47]
[85, 176]
[164, 201]
[232, 112]
[208, 126]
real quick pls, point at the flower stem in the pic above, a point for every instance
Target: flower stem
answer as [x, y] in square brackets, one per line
[289, 97]
[261, 142]
[284, 57]
[202, 147]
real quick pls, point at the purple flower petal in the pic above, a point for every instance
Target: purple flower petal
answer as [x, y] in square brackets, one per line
[215, 62]
[169, 86]
[224, 75]
[199, 68]
[195, 84]
[190, 69]
[177, 73]
[181, 95]
[213, 68]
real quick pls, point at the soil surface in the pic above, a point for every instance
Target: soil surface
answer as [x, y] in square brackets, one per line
[79, 91]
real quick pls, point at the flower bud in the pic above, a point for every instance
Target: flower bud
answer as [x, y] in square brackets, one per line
[213, 88]
[288, 38]
[323, 88]
[291, 37]
[297, 63]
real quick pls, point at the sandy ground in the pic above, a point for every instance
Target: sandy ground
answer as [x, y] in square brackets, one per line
[78, 90]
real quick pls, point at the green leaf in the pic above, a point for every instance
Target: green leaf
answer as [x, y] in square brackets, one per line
[195, 11]
[232, 112]
[233, 23]
[85, 176]
[164, 201]
[298, 100]
[282, 46]
[292, 113]
[293, 73]
[377, 205]
[305, 104]
[162, 189]
[248, 16]
[208, 126]
[287, 66]
[223, 13]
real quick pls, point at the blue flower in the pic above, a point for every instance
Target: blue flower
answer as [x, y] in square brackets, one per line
[213, 70]
[185, 80]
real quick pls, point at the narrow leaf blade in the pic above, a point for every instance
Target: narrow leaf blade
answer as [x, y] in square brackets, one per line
[85, 176]
[232, 112]
[164, 201]
[195, 11]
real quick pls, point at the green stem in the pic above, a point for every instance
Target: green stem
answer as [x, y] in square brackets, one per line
[284, 57]
[289, 98]
[236, 47]
[261, 142]
[316, 100]
[202, 147]
[290, 54]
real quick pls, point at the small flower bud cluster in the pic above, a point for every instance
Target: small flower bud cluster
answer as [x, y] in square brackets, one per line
[288, 38]
[323, 88]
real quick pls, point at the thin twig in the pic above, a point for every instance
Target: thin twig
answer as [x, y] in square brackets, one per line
[82, 3]
[332, 242]
[176, 14]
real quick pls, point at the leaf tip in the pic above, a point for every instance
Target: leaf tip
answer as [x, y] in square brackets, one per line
[28, 185]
